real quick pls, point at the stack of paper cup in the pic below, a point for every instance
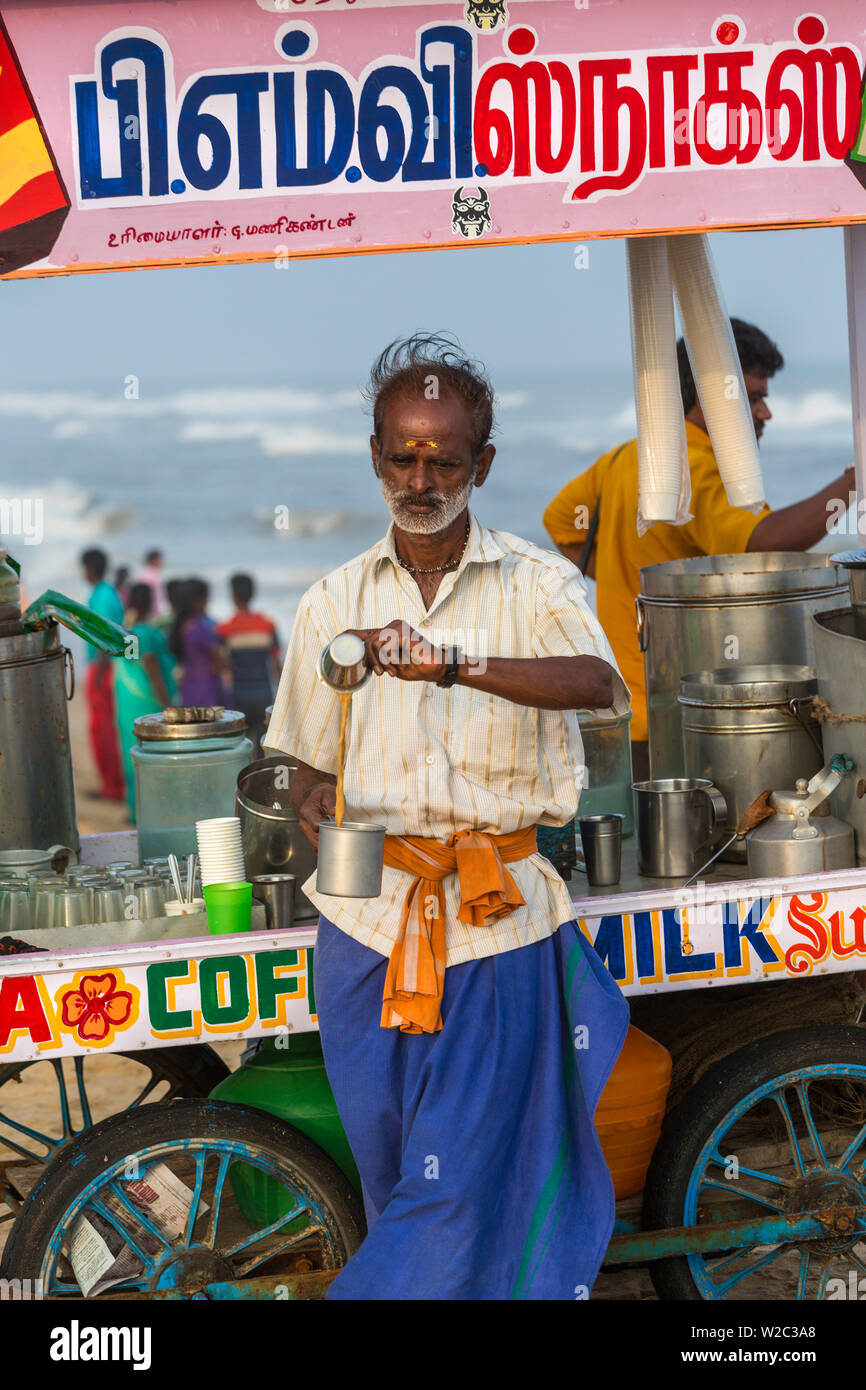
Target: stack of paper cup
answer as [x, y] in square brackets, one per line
[664, 481]
[716, 368]
[220, 851]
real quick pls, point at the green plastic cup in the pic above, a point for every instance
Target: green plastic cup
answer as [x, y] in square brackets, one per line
[229, 907]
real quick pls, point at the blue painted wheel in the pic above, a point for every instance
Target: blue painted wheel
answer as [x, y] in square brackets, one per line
[158, 1200]
[776, 1128]
[46, 1103]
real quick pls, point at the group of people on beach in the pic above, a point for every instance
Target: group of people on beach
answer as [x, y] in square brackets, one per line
[180, 656]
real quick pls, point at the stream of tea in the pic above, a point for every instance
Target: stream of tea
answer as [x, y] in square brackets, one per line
[344, 696]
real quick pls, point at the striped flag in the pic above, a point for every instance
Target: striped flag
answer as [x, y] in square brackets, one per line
[33, 199]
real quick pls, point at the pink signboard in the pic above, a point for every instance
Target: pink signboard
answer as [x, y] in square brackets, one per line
[171, 132]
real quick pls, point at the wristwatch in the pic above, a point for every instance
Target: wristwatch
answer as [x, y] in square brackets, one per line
[453, 657]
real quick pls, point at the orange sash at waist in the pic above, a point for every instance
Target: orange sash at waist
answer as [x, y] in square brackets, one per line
[416, 969]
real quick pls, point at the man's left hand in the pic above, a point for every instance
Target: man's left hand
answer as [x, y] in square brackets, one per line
[398, 650]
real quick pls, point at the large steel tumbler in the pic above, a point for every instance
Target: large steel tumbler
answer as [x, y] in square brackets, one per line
[351, 857]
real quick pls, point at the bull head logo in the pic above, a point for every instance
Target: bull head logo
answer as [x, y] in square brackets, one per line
[470, 216]
[486, 14]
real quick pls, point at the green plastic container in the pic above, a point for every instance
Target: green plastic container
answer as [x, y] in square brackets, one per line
[229, 907]
[291, 1083]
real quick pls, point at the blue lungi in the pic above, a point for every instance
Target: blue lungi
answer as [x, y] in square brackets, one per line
[482, 1169]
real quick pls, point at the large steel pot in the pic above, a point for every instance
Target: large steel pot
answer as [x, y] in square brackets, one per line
[748, 729]
[840, 658]
[694, 615]
[272, 839]
[37, 795]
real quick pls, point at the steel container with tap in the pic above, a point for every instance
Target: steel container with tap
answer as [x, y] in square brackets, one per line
[749, 728]
[696, 614]
[37, 796]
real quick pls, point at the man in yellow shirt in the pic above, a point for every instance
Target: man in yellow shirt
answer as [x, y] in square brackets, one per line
[716, 528]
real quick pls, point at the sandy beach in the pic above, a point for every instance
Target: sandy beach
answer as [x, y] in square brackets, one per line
[94, 814]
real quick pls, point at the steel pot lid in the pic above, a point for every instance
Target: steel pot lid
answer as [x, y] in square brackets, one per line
[591, 719]
[153, 727]
[23, 647]
[770, 684]
[739, 578]
[850, 559]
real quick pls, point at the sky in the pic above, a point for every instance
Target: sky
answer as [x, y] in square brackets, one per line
[516, 308]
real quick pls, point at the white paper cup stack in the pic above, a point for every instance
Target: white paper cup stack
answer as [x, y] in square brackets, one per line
[220, 850]
[716, 368]
[664, 481]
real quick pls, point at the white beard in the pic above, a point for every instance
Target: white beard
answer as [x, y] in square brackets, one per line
[446, 509]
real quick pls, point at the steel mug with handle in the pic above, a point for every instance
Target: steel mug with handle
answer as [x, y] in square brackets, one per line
[678, 819]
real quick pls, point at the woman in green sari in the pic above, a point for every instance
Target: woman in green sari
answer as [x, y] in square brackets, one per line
[144, 684]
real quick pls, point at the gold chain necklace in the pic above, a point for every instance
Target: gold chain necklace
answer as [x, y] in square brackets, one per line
[438, 569]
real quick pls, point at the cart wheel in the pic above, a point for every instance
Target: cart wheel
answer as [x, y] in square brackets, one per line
[45, 1103]
[778, 1127]
[285, 1209]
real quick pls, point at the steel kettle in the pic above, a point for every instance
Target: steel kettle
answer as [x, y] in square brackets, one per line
[791, 841]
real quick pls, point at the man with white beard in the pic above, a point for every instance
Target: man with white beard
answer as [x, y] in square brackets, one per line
[468, 1028]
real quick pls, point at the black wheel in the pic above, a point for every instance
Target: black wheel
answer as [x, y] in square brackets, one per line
[776, 1128]
[44, 1104]
[182, 1197]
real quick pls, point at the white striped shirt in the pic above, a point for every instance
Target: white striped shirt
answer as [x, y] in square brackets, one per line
[425, 761]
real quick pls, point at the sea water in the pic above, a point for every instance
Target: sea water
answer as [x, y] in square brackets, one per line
[277, 480]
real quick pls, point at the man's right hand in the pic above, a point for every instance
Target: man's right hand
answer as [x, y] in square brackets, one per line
[321, 802]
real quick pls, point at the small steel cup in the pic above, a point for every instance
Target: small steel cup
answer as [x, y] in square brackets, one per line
[277, 892]
[342, 664]
[108, 904]
[601, 838]
[16, 912]
[42, 896]
[73, 907]
[351, 857]
[150, 897]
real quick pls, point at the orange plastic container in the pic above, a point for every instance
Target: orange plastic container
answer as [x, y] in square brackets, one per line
[631, 1109]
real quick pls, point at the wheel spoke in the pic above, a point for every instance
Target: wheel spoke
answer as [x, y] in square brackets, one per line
[767, 1259]
[145, 1092]
[779, 1098]
[86, 1117]
[20, 1149]
[845, 1159]
[822, 1283]
[803, 1093]
[740, 1192]
[137, 1214]
[299, 1238]
[65, 1116]
[267, 1230]
[31, 1133]
[756, 1173]
[107, 1214]
[213, 1220]
[200, 1160]
[803, 1277]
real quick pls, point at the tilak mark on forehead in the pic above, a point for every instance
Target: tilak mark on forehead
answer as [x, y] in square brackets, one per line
[421, 443]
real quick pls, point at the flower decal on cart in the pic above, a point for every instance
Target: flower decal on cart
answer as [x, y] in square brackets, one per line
[95, 1007]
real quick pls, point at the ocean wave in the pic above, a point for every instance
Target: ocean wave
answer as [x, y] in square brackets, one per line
[810, 410]
[298, 521]
[69, 513]
[511, 400]
[273, 439]
[223, 402]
